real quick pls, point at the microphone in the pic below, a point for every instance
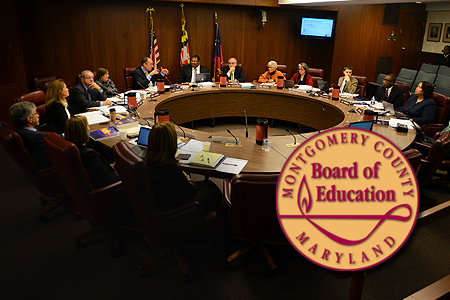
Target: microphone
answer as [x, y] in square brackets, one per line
[228, 130]
[141, 85]
[184, 133]
[167, 77]
[357, 91]
[246, 125]
[295, 140]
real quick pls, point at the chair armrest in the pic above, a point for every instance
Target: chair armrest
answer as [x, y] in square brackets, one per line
[431, 129]
[227, 191]
[50, 181]
[423, 148]
[109, 202]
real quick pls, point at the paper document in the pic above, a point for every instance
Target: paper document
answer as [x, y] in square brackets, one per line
[95, 117]
[393, 123]
[232, 165]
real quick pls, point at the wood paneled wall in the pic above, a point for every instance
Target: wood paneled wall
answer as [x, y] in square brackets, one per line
[66, 37]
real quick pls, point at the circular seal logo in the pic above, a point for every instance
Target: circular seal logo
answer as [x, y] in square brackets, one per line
[347, 199]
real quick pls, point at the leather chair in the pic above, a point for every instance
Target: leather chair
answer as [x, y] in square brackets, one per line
[99, 206]
[251, 199]
[45, 180]
[443, 108]
[362, 84]
[38, 99]
[316, 74]
[405, 87]
[165, 229]
[414, 157]
[226, 65]
[37, 82]
[282, 69]
[46, 85]
[128, 76]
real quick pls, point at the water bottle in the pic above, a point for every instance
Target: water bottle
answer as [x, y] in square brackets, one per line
[372, 101]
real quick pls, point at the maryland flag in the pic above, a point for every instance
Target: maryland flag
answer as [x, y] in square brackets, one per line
[218, 56]
[184, 54]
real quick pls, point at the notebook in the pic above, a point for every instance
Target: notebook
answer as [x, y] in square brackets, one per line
[368, 124]
[141, 141]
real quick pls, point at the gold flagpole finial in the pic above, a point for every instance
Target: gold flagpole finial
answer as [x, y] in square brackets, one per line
[215, 15]
[150, 10]
[182, 5]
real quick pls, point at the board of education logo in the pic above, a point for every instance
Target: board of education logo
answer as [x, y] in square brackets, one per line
[347, 199]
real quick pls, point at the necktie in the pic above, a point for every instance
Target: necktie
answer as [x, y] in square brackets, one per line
[194, 79]
[146, 75]
[343, 85]
[385, 98]
[232, 76]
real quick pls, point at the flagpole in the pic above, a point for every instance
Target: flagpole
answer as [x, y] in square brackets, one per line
[151, 10]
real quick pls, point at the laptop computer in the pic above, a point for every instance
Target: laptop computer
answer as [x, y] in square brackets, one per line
[389, 107]
[203, 77]
[142, 142]
[367, 124]
[323, 85]
[288, 83]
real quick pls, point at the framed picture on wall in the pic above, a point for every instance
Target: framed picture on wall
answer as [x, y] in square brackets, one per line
[434, 32]
[446, 37]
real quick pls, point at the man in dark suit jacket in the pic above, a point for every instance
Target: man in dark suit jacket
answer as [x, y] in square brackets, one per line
[86, 94]
[444, 59]
[233, 71]
[25, 119]
[146, 73]
[394, 93]
[186, 71]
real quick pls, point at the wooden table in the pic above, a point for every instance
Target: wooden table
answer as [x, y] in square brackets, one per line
[320, 113]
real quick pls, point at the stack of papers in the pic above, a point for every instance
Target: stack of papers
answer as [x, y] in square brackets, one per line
[95, 117]
[393, 123]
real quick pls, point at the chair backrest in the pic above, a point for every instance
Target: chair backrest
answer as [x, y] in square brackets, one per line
[281, 68]
[414, 156]
[407, 73]
[442, 80]
[443, 107]
[37, 82]
[442, 90]
[38, 98]
[226, 65]
[362, 84]
[46, 182]
[443, 70]
[427, 68]
[405, 87]
[66, 159]
[422, 76]
[430, 164]
[127, 75]
[380, 78]
[315, 72]
[46, 85]
[253, 206]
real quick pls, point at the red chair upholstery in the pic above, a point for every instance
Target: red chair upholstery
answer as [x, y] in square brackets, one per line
[282, 69]
[316, 74]
[362, 84]
[39, 81]
[242, 194]
[38, 99]
[414, 157]
[405, 87]
[443, 108]
[100, 206]
[45, 180]
[226, 65]
[128, 76]
[46, 85]
[167, 228]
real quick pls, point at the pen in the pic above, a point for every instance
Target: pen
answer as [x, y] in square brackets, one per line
[229, 164]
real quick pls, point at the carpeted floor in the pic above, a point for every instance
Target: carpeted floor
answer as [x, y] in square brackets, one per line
[39, 260]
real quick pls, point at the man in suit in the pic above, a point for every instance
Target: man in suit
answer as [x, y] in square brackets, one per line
[444, 59]
[348, 83]
[25, 118]
[233, 71]
[86, 94]
[390, 92]
[193, 68]
[146, 73]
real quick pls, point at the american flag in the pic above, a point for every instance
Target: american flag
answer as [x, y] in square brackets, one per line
[154, 50]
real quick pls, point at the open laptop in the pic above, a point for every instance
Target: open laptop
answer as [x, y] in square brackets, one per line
[323, 85]
[288, 83]
[203, 77]
[389, 107]
[142, 141]
[367, 124]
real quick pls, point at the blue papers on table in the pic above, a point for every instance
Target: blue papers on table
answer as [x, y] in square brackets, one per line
[229, 165]
[393, 123]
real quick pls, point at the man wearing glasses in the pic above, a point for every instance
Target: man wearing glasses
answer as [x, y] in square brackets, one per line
[233, 71]
[86, 94]
[390, 92]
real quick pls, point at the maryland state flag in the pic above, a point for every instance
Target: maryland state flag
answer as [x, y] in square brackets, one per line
[218, 56]
[184, 54]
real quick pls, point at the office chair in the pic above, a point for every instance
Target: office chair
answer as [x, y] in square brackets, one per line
[37, 82]
[38, 99]
[405, 87]
[128, 76]
[316, 74]
[282, 69]
[445, 71]
[167, 228]
[45, 180]
[427, 68]
[251, 199]
[362, 84]
[423, 76]
[443, 109]
[414, 157]
[101, 206]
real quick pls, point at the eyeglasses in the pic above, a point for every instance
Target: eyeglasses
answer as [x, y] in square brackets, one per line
[231, 63]
[387, 80]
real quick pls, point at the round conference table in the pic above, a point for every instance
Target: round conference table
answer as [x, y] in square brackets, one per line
[316, 112]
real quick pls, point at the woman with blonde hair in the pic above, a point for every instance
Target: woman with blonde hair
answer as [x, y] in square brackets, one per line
[170, 184]
[100, 172]
[56, 106]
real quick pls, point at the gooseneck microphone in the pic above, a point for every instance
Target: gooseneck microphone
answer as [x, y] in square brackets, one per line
[295, 140]
[141, 85]
[184, 133]
[167, 77]
[228, 130]
[246, 125]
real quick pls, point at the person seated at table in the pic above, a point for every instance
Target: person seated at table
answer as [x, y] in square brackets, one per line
[170, 184]
[233, 71]
[56, 106]
[146, 74]
[97, 168]
[272, 74]
[25, 118]
[302, 77]
[389, 91]
[421, 107]
[347, 83]
[187, 72]
[106, 83]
